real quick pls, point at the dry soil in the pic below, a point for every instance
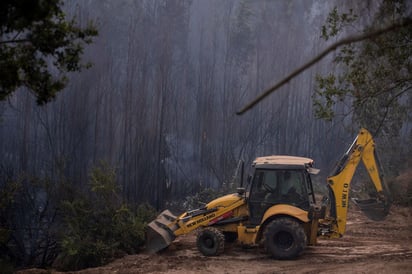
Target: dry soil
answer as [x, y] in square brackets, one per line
[367, 247]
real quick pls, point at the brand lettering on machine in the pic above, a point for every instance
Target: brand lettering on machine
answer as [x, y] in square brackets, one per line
[205, 218]
[345, 195]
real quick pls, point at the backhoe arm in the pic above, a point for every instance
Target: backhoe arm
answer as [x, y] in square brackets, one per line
[339, 182]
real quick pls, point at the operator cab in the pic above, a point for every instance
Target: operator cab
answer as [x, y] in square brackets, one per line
[280, 180]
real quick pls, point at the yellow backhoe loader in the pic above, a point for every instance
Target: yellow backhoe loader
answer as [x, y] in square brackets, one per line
[278, 208]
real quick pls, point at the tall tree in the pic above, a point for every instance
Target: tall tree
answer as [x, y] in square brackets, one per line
[38, 46]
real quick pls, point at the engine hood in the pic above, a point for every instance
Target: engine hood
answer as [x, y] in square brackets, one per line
[225, 201]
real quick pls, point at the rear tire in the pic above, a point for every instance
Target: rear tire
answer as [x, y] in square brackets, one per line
[284, 238]
[210, 241]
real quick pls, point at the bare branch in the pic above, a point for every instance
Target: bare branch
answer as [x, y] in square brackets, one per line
[14, 41]
[333, 47]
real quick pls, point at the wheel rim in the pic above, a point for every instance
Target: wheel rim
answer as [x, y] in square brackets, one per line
[208, 242]
[283, 240]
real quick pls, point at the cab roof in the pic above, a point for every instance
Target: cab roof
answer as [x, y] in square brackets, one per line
[285, 161]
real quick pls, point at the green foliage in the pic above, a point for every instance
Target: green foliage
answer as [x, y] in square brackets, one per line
[337, 22]
[130, 226]
[102, 182]
[97, 226]
[374, 77]
[38, 46]
[331, 93]
[41, 220]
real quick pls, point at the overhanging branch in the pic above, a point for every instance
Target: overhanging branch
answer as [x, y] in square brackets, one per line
[348, 40]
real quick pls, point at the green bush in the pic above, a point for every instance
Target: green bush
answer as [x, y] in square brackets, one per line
[129, 226]
[97, 226]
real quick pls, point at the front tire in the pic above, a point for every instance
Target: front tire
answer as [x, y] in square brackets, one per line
[210, 241]
[284, 238]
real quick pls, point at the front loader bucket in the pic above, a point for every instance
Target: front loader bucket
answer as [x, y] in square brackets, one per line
[374, 209]
[159, 233]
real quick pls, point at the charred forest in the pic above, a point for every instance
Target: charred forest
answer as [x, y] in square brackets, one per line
[153, 120]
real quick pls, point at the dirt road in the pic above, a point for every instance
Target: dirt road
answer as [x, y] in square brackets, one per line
[367, 247]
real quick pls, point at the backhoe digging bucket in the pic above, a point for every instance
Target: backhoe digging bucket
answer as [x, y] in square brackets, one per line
[159, 233]
[374, 209]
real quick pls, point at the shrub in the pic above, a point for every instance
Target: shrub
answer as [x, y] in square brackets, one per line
[27, 218]
[97, 226]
